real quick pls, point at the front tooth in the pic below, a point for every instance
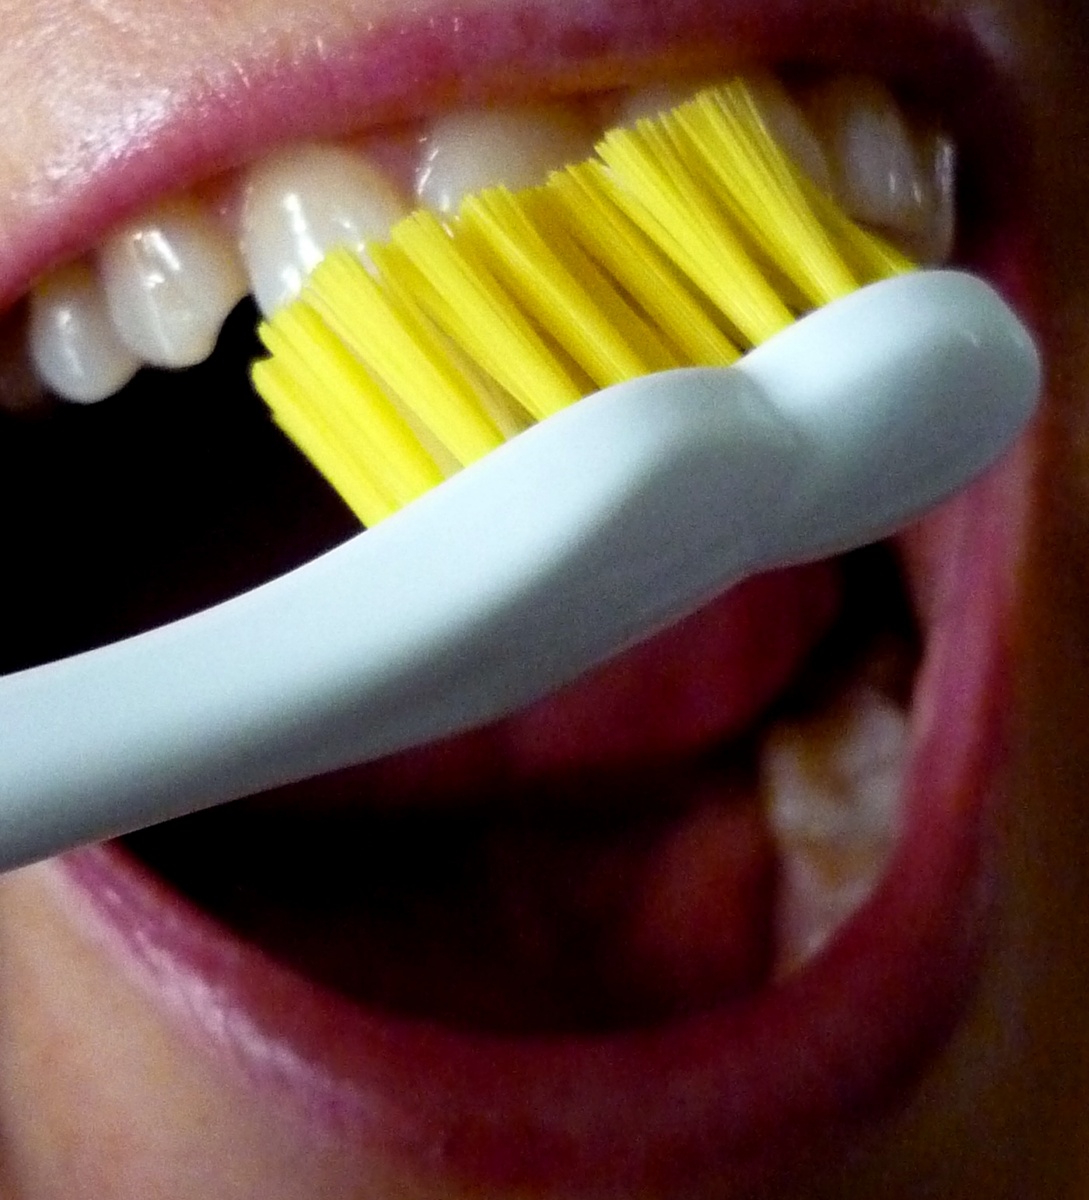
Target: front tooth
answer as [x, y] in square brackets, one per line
[832, 785]
[515, 147]
[72, 341]
[878, 174]
[171, 277]
[300, 203]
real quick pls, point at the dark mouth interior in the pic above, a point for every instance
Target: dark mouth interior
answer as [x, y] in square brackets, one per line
[171, 496]
[579, 900]
[534, 905]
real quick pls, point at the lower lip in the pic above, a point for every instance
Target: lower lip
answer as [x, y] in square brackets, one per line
[719, 1095]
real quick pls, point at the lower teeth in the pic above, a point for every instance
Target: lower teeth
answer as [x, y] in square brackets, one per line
[831, 784]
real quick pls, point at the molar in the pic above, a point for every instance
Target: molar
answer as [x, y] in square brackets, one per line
[300, 203]
[72, 340]
[831, 784]
[170, 279]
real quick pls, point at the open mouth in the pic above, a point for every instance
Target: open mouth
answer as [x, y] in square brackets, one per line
[725, 894]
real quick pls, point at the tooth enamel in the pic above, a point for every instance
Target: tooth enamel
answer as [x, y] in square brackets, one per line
[300, 203]
[170, 278]
[788, 125]
[518, 147]
[832, 785]
[650, 101]
[72, 340]
[938, 153]
[877, 172]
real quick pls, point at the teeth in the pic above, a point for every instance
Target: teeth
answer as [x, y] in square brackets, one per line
[791, 129]
[938, 154]
[72, 341]
[832, 784]
[517, 147]
[651, 101]
[300, 203]
[881, 173]
[170, 279]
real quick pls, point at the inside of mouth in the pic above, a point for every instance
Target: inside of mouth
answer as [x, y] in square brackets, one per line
[505, 882]
[577, 890]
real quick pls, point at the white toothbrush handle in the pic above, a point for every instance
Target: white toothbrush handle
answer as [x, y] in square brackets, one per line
[587, 533]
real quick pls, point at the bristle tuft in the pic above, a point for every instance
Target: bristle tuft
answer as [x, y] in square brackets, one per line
[688, 240]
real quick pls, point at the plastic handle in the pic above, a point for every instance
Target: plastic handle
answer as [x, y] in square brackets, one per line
[585, 534]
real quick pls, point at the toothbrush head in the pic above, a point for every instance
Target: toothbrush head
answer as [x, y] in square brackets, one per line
[688, 240]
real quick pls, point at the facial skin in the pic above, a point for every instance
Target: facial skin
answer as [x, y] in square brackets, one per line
[102, 1096]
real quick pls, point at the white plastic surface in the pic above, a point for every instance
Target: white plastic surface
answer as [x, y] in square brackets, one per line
[585, 534]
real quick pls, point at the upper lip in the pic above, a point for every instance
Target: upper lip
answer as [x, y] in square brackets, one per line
[714, 1090]
[123, 146]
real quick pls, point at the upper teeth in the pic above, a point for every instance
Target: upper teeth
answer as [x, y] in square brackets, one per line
[159, 288]
[884, 172]
[170, 278]
[298, 204]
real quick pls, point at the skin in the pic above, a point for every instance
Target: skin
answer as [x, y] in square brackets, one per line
[101, 1097]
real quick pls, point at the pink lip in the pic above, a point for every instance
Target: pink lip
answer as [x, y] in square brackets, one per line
[721, 1096]
[411, 66]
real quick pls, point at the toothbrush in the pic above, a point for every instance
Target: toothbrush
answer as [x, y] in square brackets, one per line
[588, 532]
[687, 240]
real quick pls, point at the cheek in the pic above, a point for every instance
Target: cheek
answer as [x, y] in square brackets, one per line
[99, 1098]
[82, 83]
[1044, 969]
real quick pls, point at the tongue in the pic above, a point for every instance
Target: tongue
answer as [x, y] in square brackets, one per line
[702, 681]
[585, 864]
[599, 904]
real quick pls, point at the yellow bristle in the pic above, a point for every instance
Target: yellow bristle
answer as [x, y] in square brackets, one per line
[579, 196]
[333, 390]
[395, 343]
[870, 255]
[649, 181]
[759, 186]
[462, 296]
[321, 441]
[688, 240]
[532, 272]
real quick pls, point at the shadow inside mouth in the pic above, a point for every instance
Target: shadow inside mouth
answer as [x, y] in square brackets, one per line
[558, 910]
[171, 496]
[514, 900]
